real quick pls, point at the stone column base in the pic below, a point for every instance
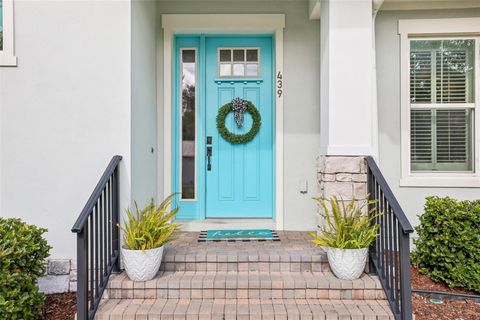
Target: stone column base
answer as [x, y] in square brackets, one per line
[61, 276]
[342, 176]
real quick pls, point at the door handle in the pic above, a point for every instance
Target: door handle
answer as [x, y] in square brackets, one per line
[209, 156]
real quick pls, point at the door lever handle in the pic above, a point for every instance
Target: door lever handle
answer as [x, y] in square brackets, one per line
[209, 156]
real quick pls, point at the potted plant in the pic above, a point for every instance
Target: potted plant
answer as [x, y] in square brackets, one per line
[346, 234]
[145, 233]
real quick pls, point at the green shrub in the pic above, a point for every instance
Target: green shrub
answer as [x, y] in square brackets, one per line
[23, 251]
[448, 244]
[346, 224]
[149, 227]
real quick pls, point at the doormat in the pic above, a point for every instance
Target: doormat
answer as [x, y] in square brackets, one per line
[238, 235]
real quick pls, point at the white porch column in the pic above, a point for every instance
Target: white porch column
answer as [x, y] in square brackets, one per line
[347, 113]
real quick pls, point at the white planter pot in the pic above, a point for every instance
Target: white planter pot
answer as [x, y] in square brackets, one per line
[347, 264]
[142, 265]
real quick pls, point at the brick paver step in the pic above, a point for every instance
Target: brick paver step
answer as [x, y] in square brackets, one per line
[199, 309]
[292, 253]
[245, 285]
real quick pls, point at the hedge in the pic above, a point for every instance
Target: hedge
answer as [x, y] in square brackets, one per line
[23, 251]
[448, 244]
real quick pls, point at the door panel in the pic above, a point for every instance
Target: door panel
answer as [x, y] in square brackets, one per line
[240, 182]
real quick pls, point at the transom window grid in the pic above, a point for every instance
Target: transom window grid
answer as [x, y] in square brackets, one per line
[442, 104]
[238, 62]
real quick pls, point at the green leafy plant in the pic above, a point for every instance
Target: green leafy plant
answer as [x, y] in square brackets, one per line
[448, 244]
[149, 227]
[347, 226]
[23, 251]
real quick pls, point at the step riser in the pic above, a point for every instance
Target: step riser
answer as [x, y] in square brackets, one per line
[254, 309]
[333, 294]
[246, 266]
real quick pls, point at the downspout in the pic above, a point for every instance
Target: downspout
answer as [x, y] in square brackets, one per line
[376, 4]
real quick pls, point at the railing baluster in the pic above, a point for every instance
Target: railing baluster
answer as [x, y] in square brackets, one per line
[96, 244]
[390, 253]
[387, 244]
[115, 213]
[390, 246]
[371, 193]
[395, 290]
[109, 224]
[92, 255]
[100, 237]
[382, 233]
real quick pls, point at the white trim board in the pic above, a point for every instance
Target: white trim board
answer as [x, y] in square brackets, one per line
[222, 24]
[440, 28]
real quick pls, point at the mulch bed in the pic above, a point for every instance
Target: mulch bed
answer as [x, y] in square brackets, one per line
[449, 309]
[61, 306]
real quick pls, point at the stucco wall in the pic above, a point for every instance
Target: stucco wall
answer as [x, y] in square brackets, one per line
[388, 73]
[64, 111]
[144, 101]
[301, 96]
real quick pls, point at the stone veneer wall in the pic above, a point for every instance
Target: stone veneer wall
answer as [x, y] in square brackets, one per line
[342, 176]
[61, 276]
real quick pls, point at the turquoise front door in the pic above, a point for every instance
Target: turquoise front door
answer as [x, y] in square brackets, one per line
[219, 179]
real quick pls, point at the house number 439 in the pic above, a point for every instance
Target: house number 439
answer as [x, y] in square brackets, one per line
[279, 84]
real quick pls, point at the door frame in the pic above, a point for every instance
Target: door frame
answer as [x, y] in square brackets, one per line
[173, 24]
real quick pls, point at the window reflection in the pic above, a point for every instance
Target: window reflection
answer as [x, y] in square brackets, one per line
[189, 78]
[239, 62]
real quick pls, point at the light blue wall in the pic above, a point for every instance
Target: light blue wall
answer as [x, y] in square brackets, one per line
[388, 73]
[301, 95]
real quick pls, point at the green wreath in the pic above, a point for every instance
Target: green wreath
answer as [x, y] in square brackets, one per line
[238, 138]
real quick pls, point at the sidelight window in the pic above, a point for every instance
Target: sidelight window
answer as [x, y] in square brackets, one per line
[188, 107]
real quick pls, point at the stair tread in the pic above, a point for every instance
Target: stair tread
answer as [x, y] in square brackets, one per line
[243, 309]
[239, 279]
[293, 246]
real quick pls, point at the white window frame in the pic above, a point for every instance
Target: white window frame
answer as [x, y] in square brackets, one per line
[7, 55]
[439, 29]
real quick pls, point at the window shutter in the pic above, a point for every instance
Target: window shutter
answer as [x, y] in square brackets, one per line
[421, 136]
[421, 76]
[451, 76]
[453, 136]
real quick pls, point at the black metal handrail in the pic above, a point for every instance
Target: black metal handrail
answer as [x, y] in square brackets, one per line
[98, 245]
[390, 253]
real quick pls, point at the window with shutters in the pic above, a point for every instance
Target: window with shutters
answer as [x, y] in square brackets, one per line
[442, 104]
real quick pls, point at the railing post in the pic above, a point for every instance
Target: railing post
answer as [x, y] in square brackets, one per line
[405, 284]
[82, 269]
[116, 220]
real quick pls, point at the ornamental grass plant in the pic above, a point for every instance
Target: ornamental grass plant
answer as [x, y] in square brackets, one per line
[150, 227]
[346, 225]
